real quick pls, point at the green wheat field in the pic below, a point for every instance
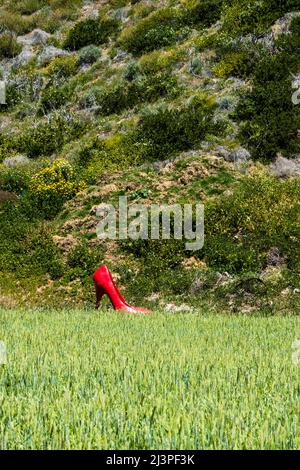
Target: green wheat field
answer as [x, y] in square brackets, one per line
[87, 380]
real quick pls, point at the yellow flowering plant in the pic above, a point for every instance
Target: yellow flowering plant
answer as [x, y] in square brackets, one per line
[54, 185]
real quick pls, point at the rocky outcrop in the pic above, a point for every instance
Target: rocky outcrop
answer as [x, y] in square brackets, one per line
[49, 53]
[10, 162]
[284, 167]
[35, 38]
[65, 244]
[24, 58]
[237, 155]
[282, 26]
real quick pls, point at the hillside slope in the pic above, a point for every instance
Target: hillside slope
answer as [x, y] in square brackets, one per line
[163, 102]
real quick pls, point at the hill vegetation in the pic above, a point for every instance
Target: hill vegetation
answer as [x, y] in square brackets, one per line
[166, 101]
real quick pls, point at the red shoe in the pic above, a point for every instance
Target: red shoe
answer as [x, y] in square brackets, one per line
[104, 284]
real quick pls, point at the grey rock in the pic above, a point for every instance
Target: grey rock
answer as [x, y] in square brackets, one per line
[223, 152]
[23, 58]
[197, 286]
[10, 162]
[282, 26]
[177, 308]
[296, 81]
[36, 37]
[121, 13]
[94, 14]
[49, 53]
[223, 278]
[239, 155]
[274, 257]
[284, 167]
[120, 56]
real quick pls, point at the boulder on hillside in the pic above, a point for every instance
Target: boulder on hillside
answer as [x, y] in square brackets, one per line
[237, 155]
[49, 53]
[240, 155]
[23, 58]
[10, 162]
[274, 257]
[296, 81]
[285, 167]
[282, 25]
[35, 38]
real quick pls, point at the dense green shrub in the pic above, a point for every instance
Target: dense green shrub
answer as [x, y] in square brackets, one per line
[48, 136]
[269, 119]
[26, 248]
[24, 88]
[161, 28]
[203, 12]
[83, 262]
[160, 266]
[88, 55]
[239, 60]
[55, 95]
[127, 93]
[244, 16]
[62, 67]
[262, 213]
[15, 22]
[90, 31]
[15, 179]
[52, 186]
[163, 130]
[9, 47]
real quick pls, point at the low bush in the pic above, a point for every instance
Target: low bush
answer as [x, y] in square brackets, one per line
[88, 55]
[27, 7]
[127, 93]
[140, 9]
[243, 16]
[52, 186]
[54, 96]
[16, 23]
[9, 47]
[49, 135]
[196, 66]
[160, 28]
[24, 90]
[157, 61]
[62, 67]
[163, 130]
[26, 248]
[91, 31]
[240, 61]
[98, 156]
[203, 12]
[160, 267]
[82, 262]
[269, 119]
[15, 179]
[240, 229]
